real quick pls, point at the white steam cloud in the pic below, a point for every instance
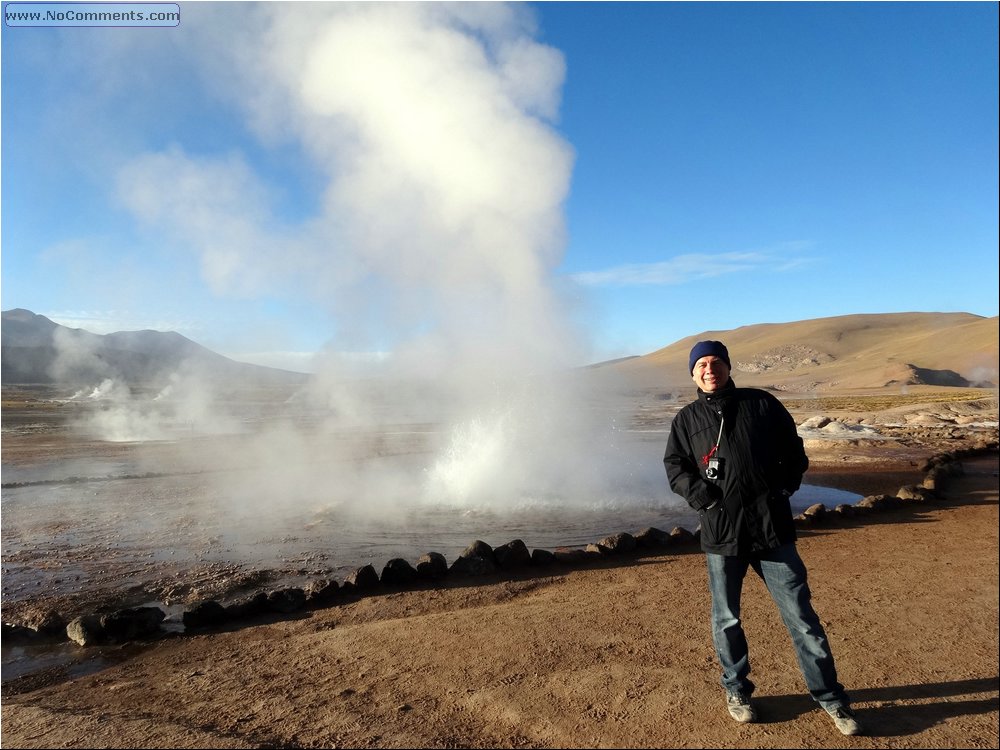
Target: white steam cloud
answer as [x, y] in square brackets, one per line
[444, 182]
[435, 237]
[183, 404]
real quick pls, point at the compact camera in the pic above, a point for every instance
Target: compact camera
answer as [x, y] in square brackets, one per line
[715, 469]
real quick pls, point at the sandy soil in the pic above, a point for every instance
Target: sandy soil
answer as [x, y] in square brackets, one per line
[615, 654]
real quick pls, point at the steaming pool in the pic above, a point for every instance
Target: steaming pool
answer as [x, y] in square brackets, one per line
[159, 514]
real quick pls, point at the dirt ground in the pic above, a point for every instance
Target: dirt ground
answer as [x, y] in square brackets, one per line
[613, 654]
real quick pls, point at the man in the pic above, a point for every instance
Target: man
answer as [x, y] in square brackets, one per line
[734, 454]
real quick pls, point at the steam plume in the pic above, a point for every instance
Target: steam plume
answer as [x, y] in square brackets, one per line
[436, 234]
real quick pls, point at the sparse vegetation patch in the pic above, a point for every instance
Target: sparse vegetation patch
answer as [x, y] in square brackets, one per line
[884, 401]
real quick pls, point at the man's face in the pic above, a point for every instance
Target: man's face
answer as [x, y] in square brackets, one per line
[710, 373]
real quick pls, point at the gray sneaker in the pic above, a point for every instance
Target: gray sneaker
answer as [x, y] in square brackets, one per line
[845, 720]
[740, 708]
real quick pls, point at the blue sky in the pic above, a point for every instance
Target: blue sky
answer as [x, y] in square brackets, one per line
[665, 169]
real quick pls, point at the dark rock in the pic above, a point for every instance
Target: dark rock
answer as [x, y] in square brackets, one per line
[844, 510]
[571, 555]
[398, 572]
[129, 624]
[912, 492]
[44, 621]
[11, 633]
[948, 469]
[85, 630]
[875, 502]
[473, 565]
[286, 600]
[512, 555]
[251, 606]
[478, 559]
[480, 549]
[363, 579]
[940, 471]
[680, 535]
[321, 591]
[653, 538]
[815, 513]
[432, 566]
[944, 458]
[618, 544]
[542, 557]
[204, 614]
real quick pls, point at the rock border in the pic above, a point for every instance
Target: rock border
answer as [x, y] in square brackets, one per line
[431, 570]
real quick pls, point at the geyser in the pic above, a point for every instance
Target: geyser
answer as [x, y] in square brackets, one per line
[433, 241]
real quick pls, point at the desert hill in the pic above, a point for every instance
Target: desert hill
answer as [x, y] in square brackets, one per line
[35, 350]
[835, 354]
[843, 353]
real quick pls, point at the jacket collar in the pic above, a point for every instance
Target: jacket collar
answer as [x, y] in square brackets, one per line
[720, 396]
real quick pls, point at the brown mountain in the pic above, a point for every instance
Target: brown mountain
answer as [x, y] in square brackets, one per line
[844, 353]
[35, 350]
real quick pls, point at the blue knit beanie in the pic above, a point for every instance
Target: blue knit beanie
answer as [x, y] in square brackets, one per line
[706, 348]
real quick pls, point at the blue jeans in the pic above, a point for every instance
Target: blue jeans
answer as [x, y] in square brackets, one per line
[784, 573]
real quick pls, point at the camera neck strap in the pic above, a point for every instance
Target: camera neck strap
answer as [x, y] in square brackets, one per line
[715, 448]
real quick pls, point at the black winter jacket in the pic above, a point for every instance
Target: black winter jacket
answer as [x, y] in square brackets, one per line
[747, 509]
